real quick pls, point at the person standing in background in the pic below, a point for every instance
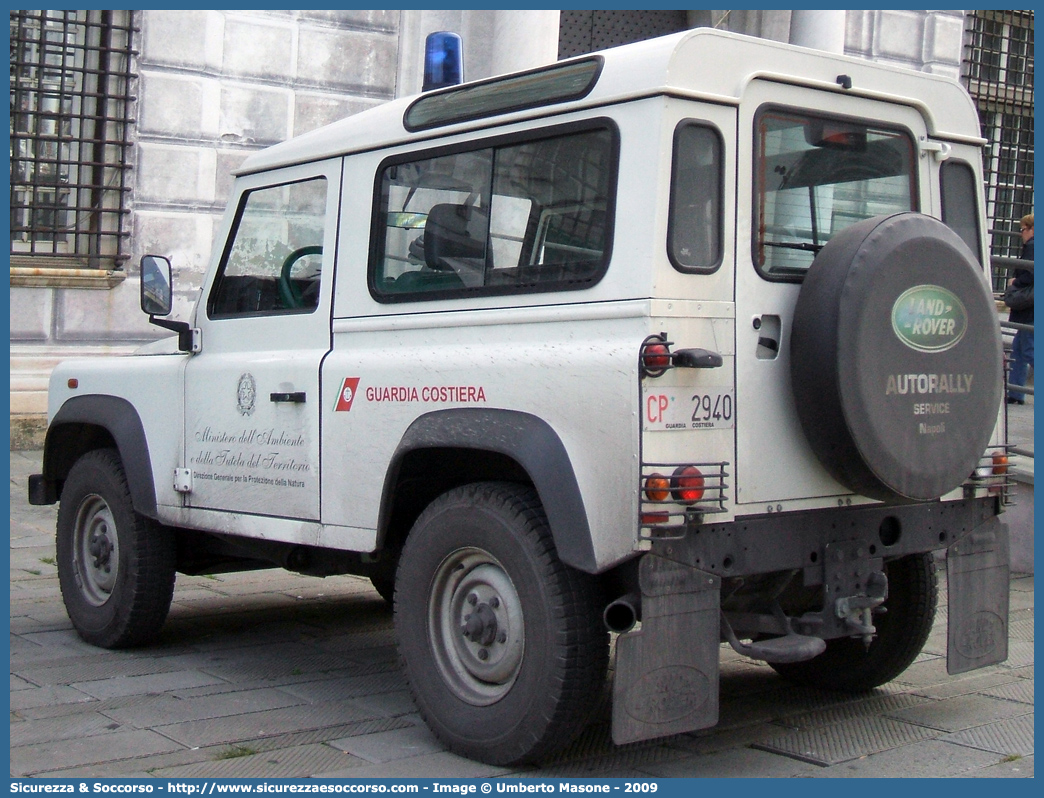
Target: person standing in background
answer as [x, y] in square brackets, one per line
[1022, 346]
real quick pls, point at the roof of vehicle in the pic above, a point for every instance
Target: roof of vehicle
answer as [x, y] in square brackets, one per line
[700, 63]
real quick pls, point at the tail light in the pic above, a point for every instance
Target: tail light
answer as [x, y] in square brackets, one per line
[1000, 469]
[650, 519]
[687, 484]
[655, 356]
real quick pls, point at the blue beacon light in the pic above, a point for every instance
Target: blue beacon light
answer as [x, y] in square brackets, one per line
[443, 60]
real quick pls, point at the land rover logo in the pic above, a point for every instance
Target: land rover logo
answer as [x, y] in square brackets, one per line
[980, 635]
[667, 694]
[246, 393]
[929, 318]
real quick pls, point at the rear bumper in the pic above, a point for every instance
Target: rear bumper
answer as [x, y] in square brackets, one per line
[762, 544]
[666, 678]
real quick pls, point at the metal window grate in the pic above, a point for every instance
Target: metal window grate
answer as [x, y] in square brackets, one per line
[70, 104]
[998, 72]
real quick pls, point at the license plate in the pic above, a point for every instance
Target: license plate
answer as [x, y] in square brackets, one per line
[692, 409]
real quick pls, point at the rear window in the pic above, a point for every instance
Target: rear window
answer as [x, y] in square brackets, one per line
[694, 227]
[504, 217]
[960, 209]
[815, 176]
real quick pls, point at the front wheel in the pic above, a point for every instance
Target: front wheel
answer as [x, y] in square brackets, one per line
[116, 568]
[848, 664]
[502, 643]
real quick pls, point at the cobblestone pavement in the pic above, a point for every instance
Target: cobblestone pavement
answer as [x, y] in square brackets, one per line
[269, 674]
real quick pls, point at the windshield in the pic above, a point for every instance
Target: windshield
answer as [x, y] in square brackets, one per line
[815, 176]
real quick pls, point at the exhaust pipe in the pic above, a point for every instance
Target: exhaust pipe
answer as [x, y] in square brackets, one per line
[621, 615]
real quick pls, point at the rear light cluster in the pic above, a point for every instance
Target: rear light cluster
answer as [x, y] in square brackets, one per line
[672, 494]
[656, 358]
[685, 485]
[991, 473]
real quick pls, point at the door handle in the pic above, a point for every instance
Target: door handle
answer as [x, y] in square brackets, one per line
[769, 336]
[295, 397]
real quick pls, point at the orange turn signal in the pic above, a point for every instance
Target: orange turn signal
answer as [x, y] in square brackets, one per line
[1000, 463]
[657, 488]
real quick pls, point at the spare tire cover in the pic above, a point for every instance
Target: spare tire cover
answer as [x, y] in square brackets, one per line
[896, 358]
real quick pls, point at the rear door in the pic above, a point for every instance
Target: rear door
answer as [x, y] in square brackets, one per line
[811, 163]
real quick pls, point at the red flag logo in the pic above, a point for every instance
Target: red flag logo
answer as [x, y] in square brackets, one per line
[347, 394]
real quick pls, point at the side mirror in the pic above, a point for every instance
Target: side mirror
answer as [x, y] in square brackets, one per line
[157, 299]
[156, 286]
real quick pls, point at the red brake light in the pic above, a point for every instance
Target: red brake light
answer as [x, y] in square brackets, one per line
[688, 484]
[656, 357]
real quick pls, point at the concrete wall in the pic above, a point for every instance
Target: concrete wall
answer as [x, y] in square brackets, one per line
[216, 85]
[212, 87]
[928, 41]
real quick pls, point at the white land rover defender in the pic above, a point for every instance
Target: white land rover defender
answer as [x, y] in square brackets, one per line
[685, 342]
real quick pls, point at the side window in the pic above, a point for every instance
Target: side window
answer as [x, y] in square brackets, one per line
[959, 207]
[694, 227]
[522, 216]
[273, 262]
[815, 176]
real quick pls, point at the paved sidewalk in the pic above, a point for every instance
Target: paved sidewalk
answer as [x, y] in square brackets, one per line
[277, 675]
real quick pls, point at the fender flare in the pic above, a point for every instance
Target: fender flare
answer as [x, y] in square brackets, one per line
[529, 441]
[119, 418]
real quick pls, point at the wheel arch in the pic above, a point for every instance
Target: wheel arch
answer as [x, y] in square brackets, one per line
[478, 444]
[98, 421]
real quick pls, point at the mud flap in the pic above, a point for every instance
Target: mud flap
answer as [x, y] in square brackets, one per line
[666, 679]
[977, 583]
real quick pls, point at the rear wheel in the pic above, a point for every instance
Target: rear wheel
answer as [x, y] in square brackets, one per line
[847, 664]
[116, 568]
[502, 644]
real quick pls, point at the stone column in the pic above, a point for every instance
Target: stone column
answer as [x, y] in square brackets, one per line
[523, 40]
[818, 29]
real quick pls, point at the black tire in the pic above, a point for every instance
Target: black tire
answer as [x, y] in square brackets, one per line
[847, 664]
[895, 358]
[116, 568]
[481, 559]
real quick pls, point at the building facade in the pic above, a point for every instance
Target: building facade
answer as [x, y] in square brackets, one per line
[126, 125]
